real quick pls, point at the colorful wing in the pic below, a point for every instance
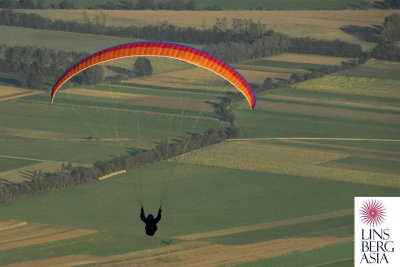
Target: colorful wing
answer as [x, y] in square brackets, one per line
[160, 49]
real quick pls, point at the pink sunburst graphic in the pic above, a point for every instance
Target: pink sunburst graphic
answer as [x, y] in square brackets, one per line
[372, 213]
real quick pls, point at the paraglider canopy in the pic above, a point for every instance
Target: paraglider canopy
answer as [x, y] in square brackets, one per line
[161, 49]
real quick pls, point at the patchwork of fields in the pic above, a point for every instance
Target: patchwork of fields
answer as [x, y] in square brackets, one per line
[237, 4]
[263, 200]
[324, 218]
[321, 24]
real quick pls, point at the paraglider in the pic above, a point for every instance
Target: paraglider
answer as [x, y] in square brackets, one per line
[150, 221]
[161, 49]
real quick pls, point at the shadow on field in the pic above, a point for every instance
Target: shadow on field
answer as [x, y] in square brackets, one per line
[363, 33]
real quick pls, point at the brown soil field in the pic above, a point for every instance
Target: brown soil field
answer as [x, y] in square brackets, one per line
[47, 239]
[366, 115]
[307, 58]
[266, 225]
[24, 173]
[335, 102]
[217, 255]
[59, 261]
[148, 100]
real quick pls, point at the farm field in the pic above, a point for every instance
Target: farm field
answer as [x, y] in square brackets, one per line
[189, 189]
[80, 42]
[320, 24]
[281, 194]
[237, 4]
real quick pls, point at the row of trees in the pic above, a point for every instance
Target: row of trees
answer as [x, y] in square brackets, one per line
[240, 30]
[267, 45]
[335, 48]
[69, 175]
[146, 4]
[35, 66]
[109, 5]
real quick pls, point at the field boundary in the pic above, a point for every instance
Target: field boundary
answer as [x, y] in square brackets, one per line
[122, 110]
[42, 160]
[240, 229]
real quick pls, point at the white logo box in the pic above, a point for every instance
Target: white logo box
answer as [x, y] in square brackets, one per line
[377, 244]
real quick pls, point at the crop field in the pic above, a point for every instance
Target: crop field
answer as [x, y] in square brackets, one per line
[321, 24]
[308, 58]
[237, 4]
[80, 42]
[25, 173]
[284, 160]
[6, 91]
[120, 235]
[354, 86]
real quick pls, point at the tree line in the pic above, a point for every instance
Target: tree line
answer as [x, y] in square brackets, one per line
[240, 30]
[37, 68]
[109, 5]
[69, 175]
[388, 48]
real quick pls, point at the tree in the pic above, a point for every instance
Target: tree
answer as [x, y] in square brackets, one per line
[31, 79]
[66, 5]
[92, 75]
[142, 67]
[391, 29]
[392, 3]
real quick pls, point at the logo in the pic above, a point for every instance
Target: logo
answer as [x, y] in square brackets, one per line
[372, 213]
[376, 231]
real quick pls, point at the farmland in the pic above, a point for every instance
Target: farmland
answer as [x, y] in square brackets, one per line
[122, 233]
[262, 199]
[17, 36]
[237, 4]
[321, 24]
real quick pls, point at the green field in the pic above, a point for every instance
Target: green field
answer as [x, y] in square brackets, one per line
[10, 163]
[122, 230]
[63, 129]
[80, 42]
[337, 255]
[284, 64]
